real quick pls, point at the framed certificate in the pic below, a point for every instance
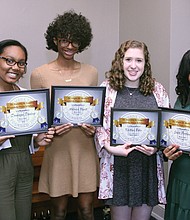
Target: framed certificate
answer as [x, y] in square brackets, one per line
[175, 128]
[24, 112]
[137, 126]
[77, 105]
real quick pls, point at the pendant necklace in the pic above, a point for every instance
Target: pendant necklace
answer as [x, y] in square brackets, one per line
[69, 74]
[131, 92]
[68, 79]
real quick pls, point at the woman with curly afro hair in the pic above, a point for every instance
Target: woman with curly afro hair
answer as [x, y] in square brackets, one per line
[131, 177]
[70, 165]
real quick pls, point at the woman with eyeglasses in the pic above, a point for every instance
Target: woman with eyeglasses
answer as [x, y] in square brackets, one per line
[16, 170]
[70, 164]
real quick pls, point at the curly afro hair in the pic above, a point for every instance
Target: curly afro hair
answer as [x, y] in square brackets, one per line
[72, 26]
[116, 74]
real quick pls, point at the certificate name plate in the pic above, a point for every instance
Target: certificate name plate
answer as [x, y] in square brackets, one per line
[24, 112]
[175, 128]
[135, 126]
[77, 104]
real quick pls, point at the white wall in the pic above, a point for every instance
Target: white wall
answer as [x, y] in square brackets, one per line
[27, 22]
[180, 39]
[164, 26]
[149, 21]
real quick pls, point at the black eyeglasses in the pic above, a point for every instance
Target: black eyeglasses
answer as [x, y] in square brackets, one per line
[65, 42]
[12, 62]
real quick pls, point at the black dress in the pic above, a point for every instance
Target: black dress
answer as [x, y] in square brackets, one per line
[135, 176]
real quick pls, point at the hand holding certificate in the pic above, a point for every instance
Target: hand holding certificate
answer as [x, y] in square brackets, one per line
[175, 128]
[120, 150]
[136, 126]
[172, 152]
[24, 112]
[77, 105]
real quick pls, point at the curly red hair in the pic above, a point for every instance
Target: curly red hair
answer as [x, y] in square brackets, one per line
[116, 75]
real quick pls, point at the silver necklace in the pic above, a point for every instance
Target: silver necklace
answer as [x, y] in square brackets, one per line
[131, 92]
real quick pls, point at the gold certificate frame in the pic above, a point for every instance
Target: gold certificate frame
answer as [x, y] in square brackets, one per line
[135, 126]
[77, 104]
[24, 112]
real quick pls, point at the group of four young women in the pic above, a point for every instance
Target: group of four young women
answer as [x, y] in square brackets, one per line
[131, 178]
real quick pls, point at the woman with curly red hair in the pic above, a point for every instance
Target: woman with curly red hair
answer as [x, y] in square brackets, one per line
[131, 177]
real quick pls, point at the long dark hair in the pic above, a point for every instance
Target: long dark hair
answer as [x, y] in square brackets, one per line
[183, 85]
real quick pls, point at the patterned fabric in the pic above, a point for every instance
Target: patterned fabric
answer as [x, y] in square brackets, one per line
[103, 135]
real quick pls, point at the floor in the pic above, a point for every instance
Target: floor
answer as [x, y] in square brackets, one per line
[98, 213]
